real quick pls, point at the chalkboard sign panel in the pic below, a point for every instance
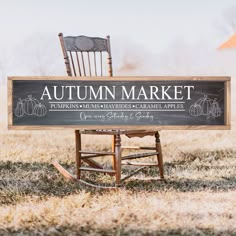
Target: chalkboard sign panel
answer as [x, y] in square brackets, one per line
[119, 102]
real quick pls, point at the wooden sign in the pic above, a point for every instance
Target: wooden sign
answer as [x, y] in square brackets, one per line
[119, 102]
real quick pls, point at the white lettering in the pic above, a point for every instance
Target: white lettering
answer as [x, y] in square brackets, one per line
[46, 93]
[125, 94]
[189, 91]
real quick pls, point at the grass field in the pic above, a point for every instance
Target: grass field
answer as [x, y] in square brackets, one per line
[198, 197]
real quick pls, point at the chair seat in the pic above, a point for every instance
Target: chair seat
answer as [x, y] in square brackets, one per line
[128, 133]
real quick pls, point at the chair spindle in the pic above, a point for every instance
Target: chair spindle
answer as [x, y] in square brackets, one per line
[77, 58]
[82, 56]
[89, 64]
[101, 62]
[72, 61]
[95, 64]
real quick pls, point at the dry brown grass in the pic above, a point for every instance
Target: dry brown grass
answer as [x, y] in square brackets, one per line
[197, 199]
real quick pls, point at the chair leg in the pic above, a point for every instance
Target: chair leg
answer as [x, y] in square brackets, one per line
[113, 150]
[78, 154]
[118, 159]
[159, 155]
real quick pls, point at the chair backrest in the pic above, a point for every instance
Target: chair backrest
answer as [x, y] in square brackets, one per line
[84, 56]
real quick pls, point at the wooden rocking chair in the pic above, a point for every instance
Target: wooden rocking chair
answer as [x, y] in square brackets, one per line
[77, 51]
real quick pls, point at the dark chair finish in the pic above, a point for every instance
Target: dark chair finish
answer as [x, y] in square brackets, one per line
[84, 56]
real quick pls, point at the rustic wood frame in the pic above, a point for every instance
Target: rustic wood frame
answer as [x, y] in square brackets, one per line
[227, 106]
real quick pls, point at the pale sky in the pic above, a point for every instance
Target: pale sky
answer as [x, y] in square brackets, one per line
[154, 24]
